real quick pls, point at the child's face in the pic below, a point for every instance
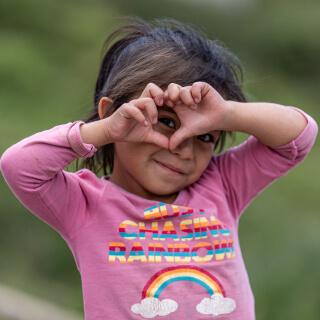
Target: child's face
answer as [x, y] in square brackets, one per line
[137, 168]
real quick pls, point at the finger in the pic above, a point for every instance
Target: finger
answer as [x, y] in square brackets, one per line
[196, 91]
[174, 92]
[159, 139]
[149, 106]
[178, 137]
[199, 90]
[153, 91]
[131, 111]
[166, 99]
[186, 97]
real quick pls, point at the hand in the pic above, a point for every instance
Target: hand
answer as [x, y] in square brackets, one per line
[200, 109]
[133, 121]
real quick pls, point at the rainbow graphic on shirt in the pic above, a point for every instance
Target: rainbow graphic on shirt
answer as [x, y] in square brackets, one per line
[159, 281]
[214, 304]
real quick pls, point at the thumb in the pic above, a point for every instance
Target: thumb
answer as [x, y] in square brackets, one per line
[178, 137]
[159, 139]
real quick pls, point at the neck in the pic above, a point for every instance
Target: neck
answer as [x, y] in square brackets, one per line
[138, 190]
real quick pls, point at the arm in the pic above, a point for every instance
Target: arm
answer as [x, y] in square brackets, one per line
[280, 138]
[247, 169]
[273, 124]
[33, 169]
[96, 133]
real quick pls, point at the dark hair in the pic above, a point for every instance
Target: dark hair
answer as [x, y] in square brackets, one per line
[161, 52]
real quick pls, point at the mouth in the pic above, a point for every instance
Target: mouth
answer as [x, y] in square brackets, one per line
[169, 167]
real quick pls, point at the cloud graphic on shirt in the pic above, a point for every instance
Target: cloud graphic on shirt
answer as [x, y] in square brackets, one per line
[216, 305]
[151, 307]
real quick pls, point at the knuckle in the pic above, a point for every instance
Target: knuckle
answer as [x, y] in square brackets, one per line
[150, 84]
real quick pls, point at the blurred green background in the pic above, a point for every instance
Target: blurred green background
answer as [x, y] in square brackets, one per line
[49, 59]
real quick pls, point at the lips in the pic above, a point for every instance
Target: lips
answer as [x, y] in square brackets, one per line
[171, 167]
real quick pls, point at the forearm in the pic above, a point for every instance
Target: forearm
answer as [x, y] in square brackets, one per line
[95, 133]
[273, 124]
[36, 160]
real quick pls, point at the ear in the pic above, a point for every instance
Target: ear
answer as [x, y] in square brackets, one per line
[103, 105]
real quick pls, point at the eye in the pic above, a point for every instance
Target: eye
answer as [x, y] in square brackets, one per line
[168, 122]
[206, 138]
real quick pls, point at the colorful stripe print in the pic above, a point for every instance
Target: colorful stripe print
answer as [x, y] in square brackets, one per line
[164, 211]
[174, 253]
[165, 277]
[188, 229]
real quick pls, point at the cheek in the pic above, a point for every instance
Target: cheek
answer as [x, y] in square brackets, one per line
[133, 154]
[204, 153]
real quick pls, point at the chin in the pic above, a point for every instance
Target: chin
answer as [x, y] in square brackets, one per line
[163, 190]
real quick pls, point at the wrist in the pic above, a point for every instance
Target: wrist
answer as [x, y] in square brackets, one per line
[230, 116]
[96, 133]
[107, 131]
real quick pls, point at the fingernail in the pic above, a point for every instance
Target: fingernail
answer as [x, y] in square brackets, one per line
[145, 122]
[197, 100]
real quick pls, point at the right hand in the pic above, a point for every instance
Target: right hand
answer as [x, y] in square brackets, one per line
[133, 121]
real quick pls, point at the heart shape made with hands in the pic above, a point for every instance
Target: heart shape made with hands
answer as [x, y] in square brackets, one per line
[199, 107]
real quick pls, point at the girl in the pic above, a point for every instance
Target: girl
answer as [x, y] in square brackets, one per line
[157, 235]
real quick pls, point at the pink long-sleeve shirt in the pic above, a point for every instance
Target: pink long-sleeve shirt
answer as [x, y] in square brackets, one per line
[140, 258]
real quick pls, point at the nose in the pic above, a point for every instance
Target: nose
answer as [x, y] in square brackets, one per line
[185, 150]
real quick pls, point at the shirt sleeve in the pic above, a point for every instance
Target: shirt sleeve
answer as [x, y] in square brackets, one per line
[33, 170]
[247, 169]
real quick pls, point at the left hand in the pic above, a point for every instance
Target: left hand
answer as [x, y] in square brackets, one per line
[200, 109]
